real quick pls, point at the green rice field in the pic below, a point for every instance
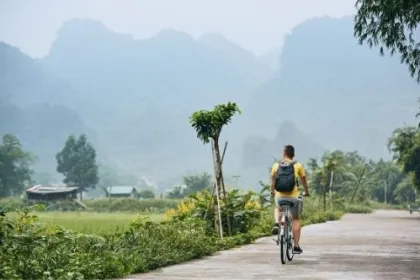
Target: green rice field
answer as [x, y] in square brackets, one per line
[90, 222]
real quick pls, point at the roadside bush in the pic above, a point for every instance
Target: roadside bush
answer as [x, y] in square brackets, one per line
[379, 205]
[243, 209]
[33, 250]
[37, 251]
[11, 204]
[358, 209]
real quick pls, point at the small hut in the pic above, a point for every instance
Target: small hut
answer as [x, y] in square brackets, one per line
[51, 193]
[122, 191]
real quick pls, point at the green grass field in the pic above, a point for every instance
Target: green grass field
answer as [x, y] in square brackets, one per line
[92, 223]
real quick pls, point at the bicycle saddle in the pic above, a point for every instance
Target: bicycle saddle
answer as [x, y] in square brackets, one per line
[286, 203]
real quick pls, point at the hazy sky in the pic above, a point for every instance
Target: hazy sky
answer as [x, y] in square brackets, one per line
[257, 25]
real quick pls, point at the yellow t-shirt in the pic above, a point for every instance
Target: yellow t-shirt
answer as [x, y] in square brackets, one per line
[299, 172]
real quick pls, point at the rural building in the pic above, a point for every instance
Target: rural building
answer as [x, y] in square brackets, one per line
[51, 193]
[121, 191]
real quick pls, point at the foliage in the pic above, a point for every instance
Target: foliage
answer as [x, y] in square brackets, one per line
[358, 209]
[11, 204]
[37, 251]
[99, 205]
[405, 147]
[392, 25]
[92, 223]
[354, 176]
[177, 192]
[191, 185]
[130, 205]
[146, 194]
[34, 250]
[209, 124]
[242, 208]
[15, 166]
[77, 162]
[196, 183]
[404, 191]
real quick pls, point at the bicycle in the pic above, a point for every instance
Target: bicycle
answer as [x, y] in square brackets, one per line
[285, 236]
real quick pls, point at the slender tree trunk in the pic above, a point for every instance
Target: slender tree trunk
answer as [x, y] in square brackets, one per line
[218, 165]
[214, 188]
[227, 206]
[221, 184]
[217, 214]
[358, 184]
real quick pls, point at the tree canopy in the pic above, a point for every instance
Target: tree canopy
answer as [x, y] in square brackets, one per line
[392, 25]
[15, 166]
[77, 162]
[405, 147]
[209, 123]
[355, 176]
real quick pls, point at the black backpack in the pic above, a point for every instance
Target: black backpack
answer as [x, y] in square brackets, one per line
[285, 180]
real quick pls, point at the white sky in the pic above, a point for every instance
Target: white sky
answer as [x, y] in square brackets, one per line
[257, 25]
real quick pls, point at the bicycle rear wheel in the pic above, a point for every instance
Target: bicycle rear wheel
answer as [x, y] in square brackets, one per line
[283, 249]
[289, 251]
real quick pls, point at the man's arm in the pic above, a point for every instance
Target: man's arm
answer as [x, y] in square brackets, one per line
[272, 185]
[302, 177]
[305, 185]
[272, 179]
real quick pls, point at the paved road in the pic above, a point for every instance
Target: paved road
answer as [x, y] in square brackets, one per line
[383, 245]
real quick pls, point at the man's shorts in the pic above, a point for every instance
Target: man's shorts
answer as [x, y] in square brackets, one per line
[297, 208]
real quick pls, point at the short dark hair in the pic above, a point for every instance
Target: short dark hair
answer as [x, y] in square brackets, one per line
[289, 151]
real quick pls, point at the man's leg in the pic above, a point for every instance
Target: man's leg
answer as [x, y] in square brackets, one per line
[277, 216]
[296, 227]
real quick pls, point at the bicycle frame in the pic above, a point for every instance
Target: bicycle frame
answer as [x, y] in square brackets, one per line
[286, 218]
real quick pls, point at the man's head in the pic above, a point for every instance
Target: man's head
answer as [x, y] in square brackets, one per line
[289, 152]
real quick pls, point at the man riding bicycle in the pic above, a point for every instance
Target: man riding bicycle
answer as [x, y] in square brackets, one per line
[284, 185]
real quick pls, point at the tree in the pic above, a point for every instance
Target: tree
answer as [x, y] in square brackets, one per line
[146, 193]
[404, 191]
[391, 24]
[208, 125]
[405, 147]
[176, 192]
[196, 183]
[77, 162]
[15, 166]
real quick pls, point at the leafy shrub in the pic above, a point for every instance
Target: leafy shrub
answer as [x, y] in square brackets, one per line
[243, 209]
[11, 204]
[358, 209]
[33, 250]
[147, 194]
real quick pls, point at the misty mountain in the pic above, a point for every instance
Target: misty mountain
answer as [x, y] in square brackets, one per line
[139, 94]
[339, 93]
[259, 153]
[271, 59]
[134, 97]
[30, 107]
